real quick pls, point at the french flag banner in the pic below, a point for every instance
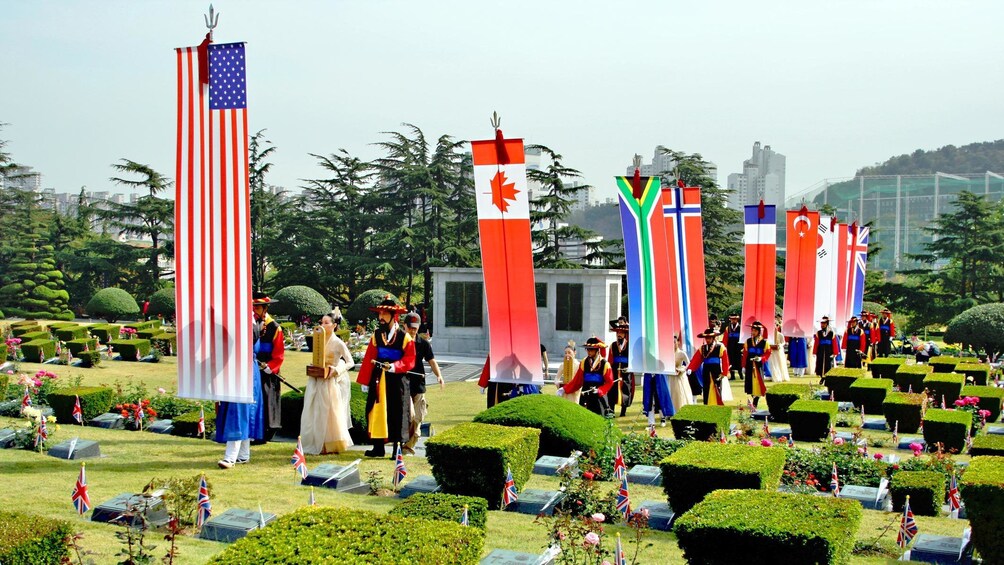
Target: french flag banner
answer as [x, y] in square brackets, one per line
[843, 277]
[652, 297]
[826, 272]
[681, 207]
[507, 260]
[857, 252]
[802, 230]
[761, 271]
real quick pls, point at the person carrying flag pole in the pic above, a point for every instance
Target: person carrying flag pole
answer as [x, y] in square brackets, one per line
[756, 352]
[593, 377]
[624, 386]
[712, 362]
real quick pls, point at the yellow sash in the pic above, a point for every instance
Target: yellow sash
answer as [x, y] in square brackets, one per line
[378, 414]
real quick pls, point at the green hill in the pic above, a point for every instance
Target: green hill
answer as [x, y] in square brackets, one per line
[973, 158]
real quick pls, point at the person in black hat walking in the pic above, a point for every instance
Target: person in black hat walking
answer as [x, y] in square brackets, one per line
[855, 342]
[624, 385]
[594, 377]
[824, 347]
[734, 346]
[271, 353]
[710, 362]
[756, 352]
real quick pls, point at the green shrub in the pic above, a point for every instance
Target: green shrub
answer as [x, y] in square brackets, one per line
[18, 331]
[76, 346]
[292, 408]
[89, 358]
[60, 325]
[342, 535]
[357, 411]
[359, 310]
[127, 348]
[870, 393]
[187, 425]
[905, 408]
[472, 458]
[988, 444]
[38, 350]
[94, 401]
[3, 353]
[991, 398]
[911, 377]
[297, 301]
[112, 304]
[811, 419]
[71, 333]
[926, 490]
[162, 303]
[753, 528]
[982, 488]
[781, 396]
[943, 363]
[885, 367]
[148, 333]
[853, 468]
[944, 385]
[563, 426]
[947, 427]
[696, 421]
[32, 336]
[142, 326]
[840, 379]
[105, 332]
[643, 449]
[27, 539]
[166, 343]
[702, 467]
[169, 406]
[979, 372]
[445, 507]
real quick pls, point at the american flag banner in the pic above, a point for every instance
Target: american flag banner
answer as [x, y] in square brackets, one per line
[825, 303]
[509, 494]
[620, 469]
[299, 460]
[623, 500]
[78, 413]
[907, 526]
[212, 225]
[954, 502]
[81, 500]
[857, 252]
[464, 518]
[400, 471]
[761, 267]
[205, 508]
[800, 272]
[681, 208]
[835, 481]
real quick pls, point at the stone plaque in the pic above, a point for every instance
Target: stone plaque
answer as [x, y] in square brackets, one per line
[874, 424]
[868, 497]
[343, 478]
[111, 511]
[660, 515]
[109, 421]
[551, 465]
[822, 394]
[79, 449]
[536, 501]
[160, 427]
[780, 431]
[507, 557]
[6, 438]
[234, 524]
[995, 429]
[426, 430]
[645, 475]
[845, 406]
[846, 436]
[421, 483]
[761, 415]
[929, 548]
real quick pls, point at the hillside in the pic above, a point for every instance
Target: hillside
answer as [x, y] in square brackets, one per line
[973, 158]
[604, 219]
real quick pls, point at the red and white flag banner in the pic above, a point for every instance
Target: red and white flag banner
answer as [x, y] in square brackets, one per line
[843, 278]
[802, 229]
[826, 272]
[760, 239]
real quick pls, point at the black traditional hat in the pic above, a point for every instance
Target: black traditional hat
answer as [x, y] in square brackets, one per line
[824, 320]
[734, 316]
[757, 325]
[594, 343]
[619, 325]
[259, 298]
[388, 304]
[710, 332]
[886, 311]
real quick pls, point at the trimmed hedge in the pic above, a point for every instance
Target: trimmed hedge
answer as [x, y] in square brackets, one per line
[291, 404]
[76, 346]
[94, 401]
[165, 342]
[112, 304]
[71, 333]
[870, 393]
[699, 468]
[127, 348]
[36, 335]
[187, 424]
[342, 535]
[926, 490]
[811, 419]
[105, 332]
[988, 444]
[445, 507]
[471, 459]
[990, 397]
[563, 426]
[885, 367]
[89, 358]
[948, 385]
[39, 349]
[359, 432]
[27, 539]
[944, 363]
[947, 427]
[696, 421]
[840, 379]
[19, 330]
[781, 396]
[148, 333]
[979, 372]
[982, 488]
[144, 326]
[905, 408]
[754, 528]
[911, 377]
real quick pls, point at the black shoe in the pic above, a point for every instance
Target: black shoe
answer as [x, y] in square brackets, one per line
[375, 453]
[242, 461]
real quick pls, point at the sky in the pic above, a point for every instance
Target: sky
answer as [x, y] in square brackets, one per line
[834, 86]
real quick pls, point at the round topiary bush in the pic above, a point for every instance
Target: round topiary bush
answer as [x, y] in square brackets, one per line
[112, 304]
[297, 301]
[162, 304]
[359, 310]
[981, 327]
[873, 307]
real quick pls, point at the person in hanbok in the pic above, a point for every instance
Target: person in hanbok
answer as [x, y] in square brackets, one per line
[325, 420]
[778, 362]
[237, 423]
[798, 355]
[756, 352]
[679, 387]
[711, 364]
[593, 377]
[567, 372]
[624, 387]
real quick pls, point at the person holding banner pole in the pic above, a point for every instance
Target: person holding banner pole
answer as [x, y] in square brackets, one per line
[711, 363]
[734, 346]
[855, 342]
[624, 387]
[594, 377]
[824, 348]
[237, 423]
[756, 352]
[887, 331]
[271, 352]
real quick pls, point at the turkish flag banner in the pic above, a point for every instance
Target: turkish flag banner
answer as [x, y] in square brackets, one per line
[802, 230]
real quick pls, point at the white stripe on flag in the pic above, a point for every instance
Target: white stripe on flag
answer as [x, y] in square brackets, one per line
[760, 234]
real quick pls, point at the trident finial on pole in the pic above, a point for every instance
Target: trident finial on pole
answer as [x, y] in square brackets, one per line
[496, 120]
[637, 161]
[211, 20]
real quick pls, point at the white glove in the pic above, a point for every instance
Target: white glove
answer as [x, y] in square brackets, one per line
[689, 372]
[561, 391]
[365, 388]
[483, 390]
[266, 369]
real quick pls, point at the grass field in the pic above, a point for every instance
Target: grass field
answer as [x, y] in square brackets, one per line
[40, 484]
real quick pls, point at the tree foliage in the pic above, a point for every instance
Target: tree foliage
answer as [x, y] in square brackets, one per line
[298, 301]
[983, 156]
[981, 327]
[112, 304]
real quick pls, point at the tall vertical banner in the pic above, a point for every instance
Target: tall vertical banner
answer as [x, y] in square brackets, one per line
[802, 231]
[761, 267]
[681, 207]
[507, 260]
[843, 276]
[857, 251]
[826, 271]
[212, 225]
[651, 296]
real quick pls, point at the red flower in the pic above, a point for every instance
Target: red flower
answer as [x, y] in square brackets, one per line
[588, 476]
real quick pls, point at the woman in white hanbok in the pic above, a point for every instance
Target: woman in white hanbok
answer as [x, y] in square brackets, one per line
[679, 386]
[777, 361]
[325, 420]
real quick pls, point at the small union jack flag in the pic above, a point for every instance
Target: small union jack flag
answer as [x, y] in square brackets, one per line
[907, 527]
[299, 460]
[26, 400]
[954, 502]
[509, 494]
[651, 431]
[620, 469]
[791, 441]
[835, 481]
[312, 501]
[81, 501]
[766, 429]
[895, 433]
[943, 405]
[620, 558]
[137, 417]
[200, 428]
[78, 413]
[205, 507]
[400, 471]
[43, 432]
[464, 518]
[623, 500]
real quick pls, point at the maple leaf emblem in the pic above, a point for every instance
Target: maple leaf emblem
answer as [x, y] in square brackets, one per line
[503, 191]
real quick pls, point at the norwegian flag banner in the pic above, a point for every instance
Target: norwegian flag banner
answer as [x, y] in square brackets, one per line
[78, 413]
[299, 460]
[212, 225]
[507, 260]
[857, 257]
[205, 508]
[681, 208]
[761, 268]
[802, 229]
[81, 500]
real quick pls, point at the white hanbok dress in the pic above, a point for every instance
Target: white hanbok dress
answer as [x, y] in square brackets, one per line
[777, 361]
[325, 420]
[679, 386]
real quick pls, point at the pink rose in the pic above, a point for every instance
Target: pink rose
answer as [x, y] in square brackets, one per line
[561, 535]
[598, 517]
[766, 442]
[592, 538]
[878, 456]
[862, 451]
[916, 448]
[984, 413]
[750, 442]
[960, 402]
[161, 390]
[838, 441]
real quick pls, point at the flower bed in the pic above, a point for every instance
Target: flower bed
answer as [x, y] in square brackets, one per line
[990, 399]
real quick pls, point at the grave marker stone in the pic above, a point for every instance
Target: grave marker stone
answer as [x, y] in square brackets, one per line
[420, 484]
[426, 430]
[73, 449]
[551, 465]
[536, 501]
[507, 557]
[343, 478]
[761, 415]
[645, 475]
[152, 507]
[660, 515]
[109, 421]
[160, 427]
[868, 497]
[904, 442]
[929, 548]
[874, 424]
[234, 524]
[780, 431]
[6, 438]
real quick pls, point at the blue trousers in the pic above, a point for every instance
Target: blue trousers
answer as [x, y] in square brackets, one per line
[655, 386]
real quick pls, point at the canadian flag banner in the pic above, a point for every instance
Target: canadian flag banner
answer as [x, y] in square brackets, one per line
[507, 260]
[843, 276]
